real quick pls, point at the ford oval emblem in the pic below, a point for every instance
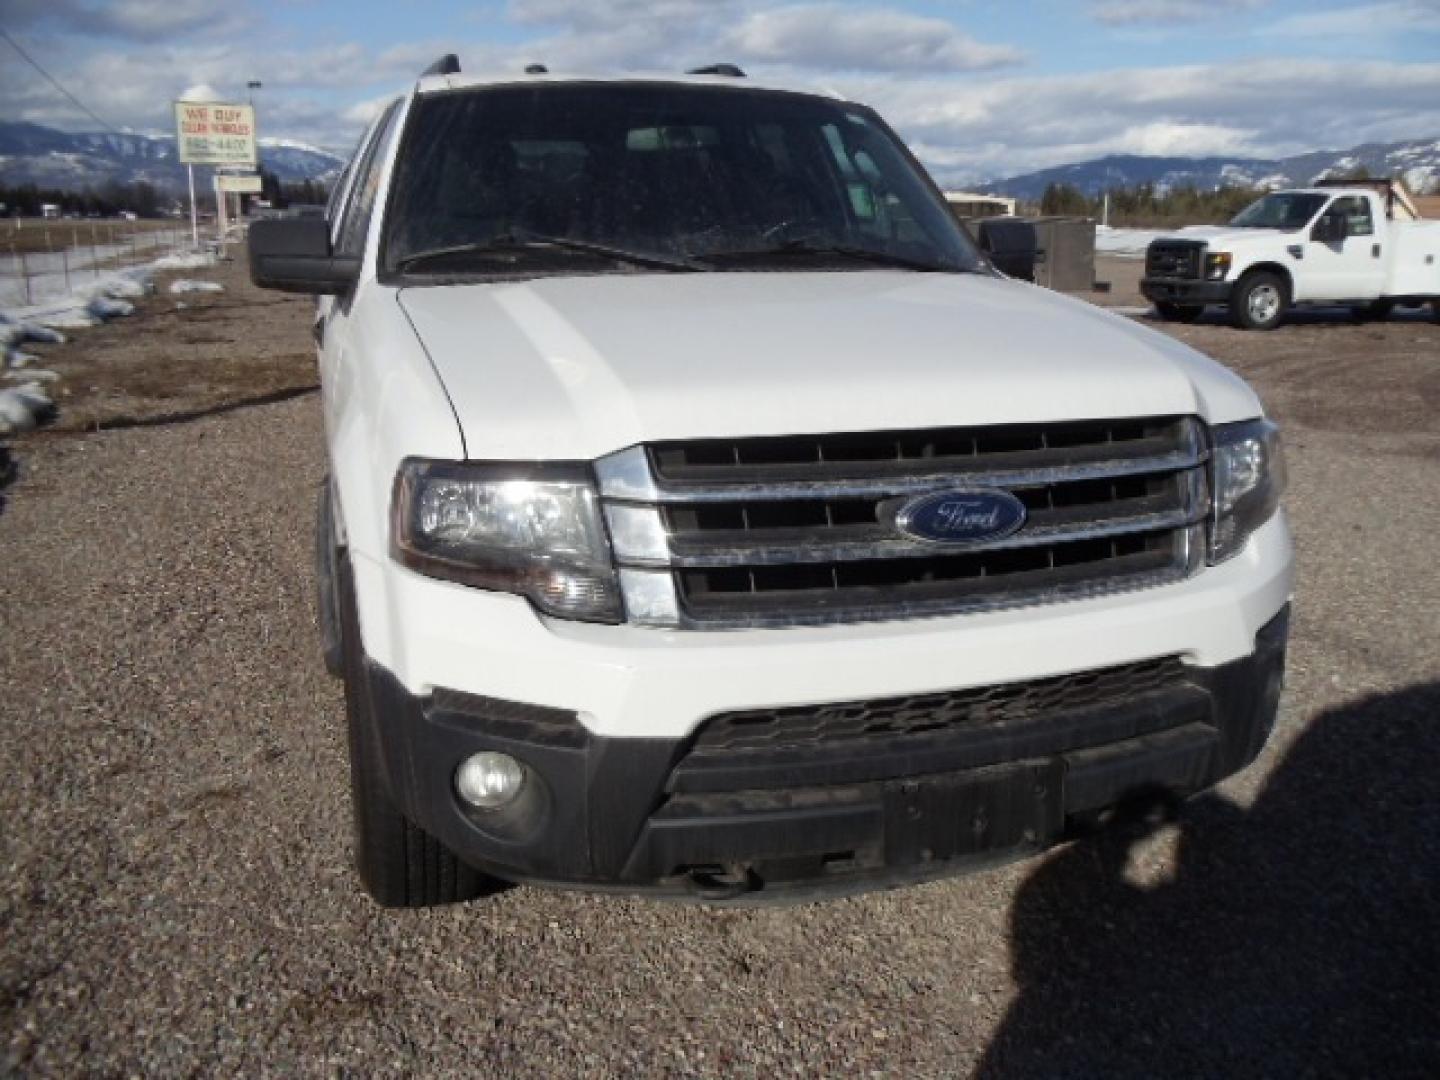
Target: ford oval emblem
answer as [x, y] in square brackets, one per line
[961, 517]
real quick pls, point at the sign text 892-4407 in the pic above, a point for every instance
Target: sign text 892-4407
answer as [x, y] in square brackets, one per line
[211, 133]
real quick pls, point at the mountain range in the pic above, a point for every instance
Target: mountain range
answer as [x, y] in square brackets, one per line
[1417, 161]
[30, 153]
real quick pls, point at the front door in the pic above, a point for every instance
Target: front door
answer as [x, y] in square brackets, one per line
[1348, 269]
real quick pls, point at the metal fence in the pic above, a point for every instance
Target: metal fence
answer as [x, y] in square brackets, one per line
[43, 261]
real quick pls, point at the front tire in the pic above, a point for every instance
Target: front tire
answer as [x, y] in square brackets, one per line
[1260, 301]
[1181, 313]
[400, 864]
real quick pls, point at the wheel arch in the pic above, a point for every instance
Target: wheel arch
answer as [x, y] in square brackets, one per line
[1279, 269]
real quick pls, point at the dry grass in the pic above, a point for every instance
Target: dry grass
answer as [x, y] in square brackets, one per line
[179, 356]
[33, 235]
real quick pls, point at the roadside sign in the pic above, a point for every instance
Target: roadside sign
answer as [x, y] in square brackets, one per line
[244, 185]
[215, 133]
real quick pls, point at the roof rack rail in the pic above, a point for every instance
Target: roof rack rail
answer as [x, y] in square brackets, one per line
[728, 70]
[536, 69]
[449, 64]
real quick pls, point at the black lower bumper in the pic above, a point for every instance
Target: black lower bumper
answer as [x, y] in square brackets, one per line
[1185, 291]
[757, 821]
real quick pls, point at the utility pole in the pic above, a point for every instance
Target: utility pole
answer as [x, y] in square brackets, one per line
[251, 86]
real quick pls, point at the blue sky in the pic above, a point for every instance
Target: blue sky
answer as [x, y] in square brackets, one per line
[980, 89]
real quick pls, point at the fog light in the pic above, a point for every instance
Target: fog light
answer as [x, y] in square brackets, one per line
[488, 781]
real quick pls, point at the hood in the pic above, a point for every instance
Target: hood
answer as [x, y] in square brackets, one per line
[1224, 238]
[576, 367]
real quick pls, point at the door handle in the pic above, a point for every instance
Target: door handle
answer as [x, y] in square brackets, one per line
[1375, 251]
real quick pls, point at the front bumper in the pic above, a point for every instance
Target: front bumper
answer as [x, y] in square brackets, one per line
[1187, 291]
[660, 814]
[639, 682]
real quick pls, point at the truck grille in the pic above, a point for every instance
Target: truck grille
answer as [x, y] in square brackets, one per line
[721, 534]
[930, 714]
[1173, 259]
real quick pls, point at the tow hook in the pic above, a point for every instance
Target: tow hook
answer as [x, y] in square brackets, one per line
[721, 882]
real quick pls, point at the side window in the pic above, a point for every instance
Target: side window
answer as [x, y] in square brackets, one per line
[339, 194]
[364, 186]
[1355, 210]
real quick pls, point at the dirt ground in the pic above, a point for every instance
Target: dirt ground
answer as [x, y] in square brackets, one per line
[175, 892]
[183, 355]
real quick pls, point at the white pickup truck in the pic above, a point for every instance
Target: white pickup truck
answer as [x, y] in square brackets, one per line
[1344, 246]
[705, 515]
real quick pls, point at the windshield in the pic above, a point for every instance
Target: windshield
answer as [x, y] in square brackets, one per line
[573, 178]
[1279, 211]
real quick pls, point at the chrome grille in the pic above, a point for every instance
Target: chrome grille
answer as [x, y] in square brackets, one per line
[799, 530]
[1173, 259]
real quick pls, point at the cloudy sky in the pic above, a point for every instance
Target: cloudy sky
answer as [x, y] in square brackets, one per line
[979, 89]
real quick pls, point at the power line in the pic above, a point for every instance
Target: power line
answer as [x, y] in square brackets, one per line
[55, 83]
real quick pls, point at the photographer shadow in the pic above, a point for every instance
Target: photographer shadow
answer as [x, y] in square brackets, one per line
[1299, 938]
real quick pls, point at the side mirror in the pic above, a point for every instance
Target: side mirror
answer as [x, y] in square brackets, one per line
[293, 255]
[1331, 228]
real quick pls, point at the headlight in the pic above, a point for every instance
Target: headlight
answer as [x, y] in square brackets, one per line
[1247, 478]
[1217, 265]
[535, 532]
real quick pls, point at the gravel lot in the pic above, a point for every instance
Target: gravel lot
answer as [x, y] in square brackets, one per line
[176, 896]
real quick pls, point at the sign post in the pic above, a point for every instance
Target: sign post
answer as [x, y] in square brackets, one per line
[213, 133]
[194, 221]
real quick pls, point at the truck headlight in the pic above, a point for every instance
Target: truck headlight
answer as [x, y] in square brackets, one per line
[1247, 477]
[532, 531]
[1217, 265]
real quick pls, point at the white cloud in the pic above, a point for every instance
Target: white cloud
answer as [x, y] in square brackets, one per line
[607, 13]
[842, 37]
[138, 20]
[1164, 138]
[1362, 21]
[914, 70]
[362, 112]
[1255, 108]
[1121, 12]
[199, 92]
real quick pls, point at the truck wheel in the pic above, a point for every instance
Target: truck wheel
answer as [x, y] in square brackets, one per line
[327, 607]
[1259, 301]
[400, 864]
[1181, 313]
[1376, 309]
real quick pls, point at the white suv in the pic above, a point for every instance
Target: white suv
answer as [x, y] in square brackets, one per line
[706, 516]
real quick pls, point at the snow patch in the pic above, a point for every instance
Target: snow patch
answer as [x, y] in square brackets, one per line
[106, 297]
[24, 407]
[32, 375]
[187, 285]
[104, 307]
[185, 260]
[14, 332]
[1130, 243]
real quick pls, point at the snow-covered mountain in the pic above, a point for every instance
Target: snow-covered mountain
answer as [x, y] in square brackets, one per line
[30, 153]
[1417, 161]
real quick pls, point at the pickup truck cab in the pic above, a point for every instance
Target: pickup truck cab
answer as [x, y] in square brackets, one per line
[706, 516]
[1329, 246]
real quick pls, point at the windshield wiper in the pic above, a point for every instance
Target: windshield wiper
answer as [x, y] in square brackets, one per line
[512, 242]
[848, 251]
